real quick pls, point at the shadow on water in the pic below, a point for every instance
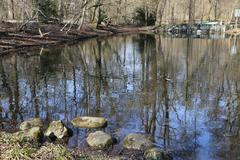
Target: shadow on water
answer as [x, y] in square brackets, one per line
[183, 92]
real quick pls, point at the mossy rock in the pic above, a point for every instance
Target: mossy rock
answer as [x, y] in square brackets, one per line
[30, 123]
[99, 140]
[58, 129]
[34, 134]
[136, 142]
[156, 154]
[89, 122]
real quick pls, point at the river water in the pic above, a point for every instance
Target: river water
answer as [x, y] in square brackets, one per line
[182, 92]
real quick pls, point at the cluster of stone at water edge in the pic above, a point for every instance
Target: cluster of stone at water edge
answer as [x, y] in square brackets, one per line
[34, 128]
[96, 140]
[100, 140]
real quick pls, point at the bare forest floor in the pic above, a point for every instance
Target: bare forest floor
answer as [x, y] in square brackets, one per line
[14, 37]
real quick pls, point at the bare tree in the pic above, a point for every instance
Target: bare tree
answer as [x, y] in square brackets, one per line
[191, 11]
[160, 11]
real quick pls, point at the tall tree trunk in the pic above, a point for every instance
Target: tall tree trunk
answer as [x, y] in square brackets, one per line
[83, 15]
[96, 12]
[60, 11]
[203, 8]
[191, 11]
[146, 14]
[11, 9]
[160, 11]
[172, 15]
[216, 3]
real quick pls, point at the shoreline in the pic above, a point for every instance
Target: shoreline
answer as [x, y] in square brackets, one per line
[36, 140]
[37, 35]
[46, 35]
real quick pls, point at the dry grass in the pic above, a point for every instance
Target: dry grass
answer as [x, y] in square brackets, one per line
[17, 147]
[53, 152]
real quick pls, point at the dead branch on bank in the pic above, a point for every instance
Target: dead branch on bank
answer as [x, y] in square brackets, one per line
[42, 34]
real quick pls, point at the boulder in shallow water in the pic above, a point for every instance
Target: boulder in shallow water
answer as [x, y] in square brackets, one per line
[99, 140]
[89, 122]
[30, 123]
[57, 129]
[156, 154]
[136, 142]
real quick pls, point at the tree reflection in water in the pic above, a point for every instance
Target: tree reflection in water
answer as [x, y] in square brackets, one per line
[184, 92]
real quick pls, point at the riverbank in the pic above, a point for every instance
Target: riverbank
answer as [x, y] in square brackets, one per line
[14, 146]
[13, 37]
[37, 140]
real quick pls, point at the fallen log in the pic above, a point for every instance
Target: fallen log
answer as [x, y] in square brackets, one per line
[42, 34]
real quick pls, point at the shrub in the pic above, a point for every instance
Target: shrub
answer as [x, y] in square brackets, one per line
[102, 16]
[139, 17]
[48, 10]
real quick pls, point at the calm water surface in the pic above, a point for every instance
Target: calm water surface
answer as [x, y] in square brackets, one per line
[182, 92]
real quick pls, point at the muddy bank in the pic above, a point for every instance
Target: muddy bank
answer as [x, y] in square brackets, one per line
[13, 37]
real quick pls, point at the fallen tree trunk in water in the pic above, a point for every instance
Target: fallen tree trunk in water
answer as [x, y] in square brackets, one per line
[49, 34]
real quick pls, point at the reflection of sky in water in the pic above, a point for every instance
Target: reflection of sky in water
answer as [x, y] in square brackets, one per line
[181, 92]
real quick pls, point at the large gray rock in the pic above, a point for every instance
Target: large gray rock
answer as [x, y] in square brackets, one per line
[35, 133]
[136, 141]
[89, 122]
[57, 129]
[30, 123]
[156, 154]
[99, 140]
